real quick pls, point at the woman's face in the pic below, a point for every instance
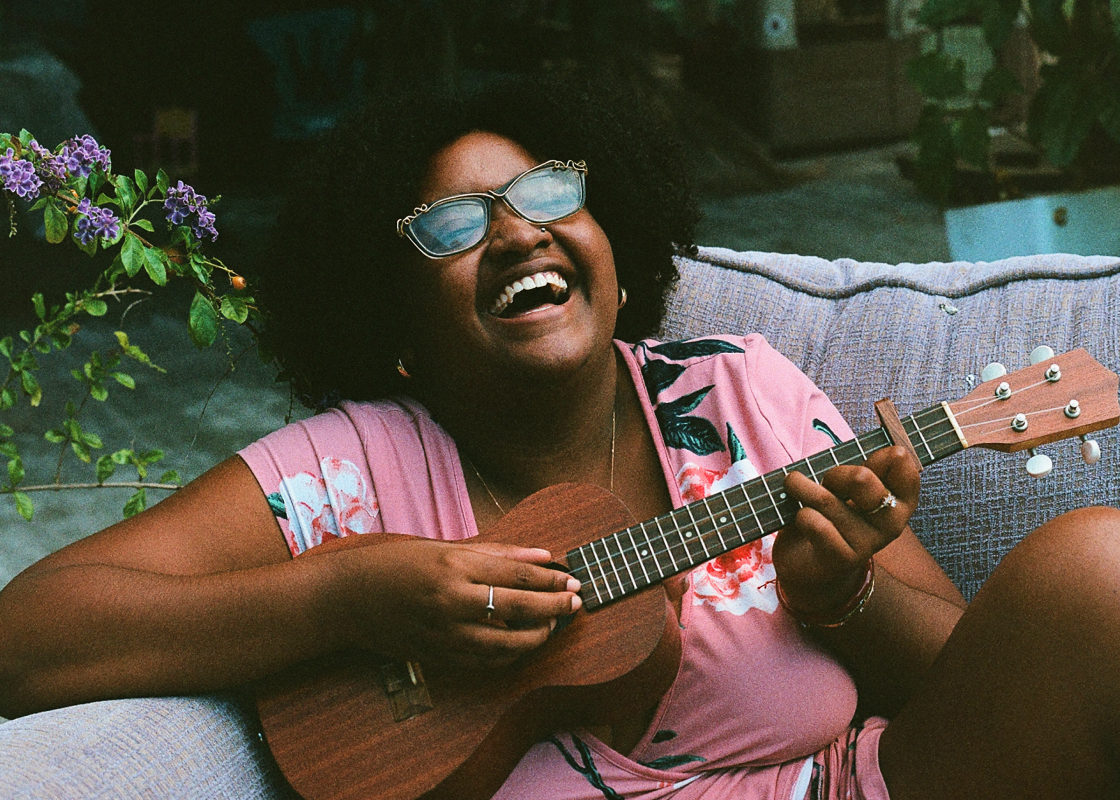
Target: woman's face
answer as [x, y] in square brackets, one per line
[473, 317]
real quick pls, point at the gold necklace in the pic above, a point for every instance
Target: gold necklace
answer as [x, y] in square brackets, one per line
[486, 486]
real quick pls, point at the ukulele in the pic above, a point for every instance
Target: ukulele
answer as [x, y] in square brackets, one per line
[348, 726]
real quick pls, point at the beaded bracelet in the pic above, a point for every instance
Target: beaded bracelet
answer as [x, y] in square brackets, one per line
[843, 614]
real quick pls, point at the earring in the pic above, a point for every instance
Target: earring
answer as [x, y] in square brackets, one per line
[400, 369]
[621, 297]
[544, 229]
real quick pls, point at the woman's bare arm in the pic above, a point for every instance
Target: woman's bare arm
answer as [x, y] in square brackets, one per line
[199, 593]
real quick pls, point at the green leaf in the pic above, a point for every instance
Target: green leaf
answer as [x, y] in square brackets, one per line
[203, 322]
[92, 440]
[1063, 113]
[162, 181]
[682, 405]
[56, 222]
[6, 431]
[154, 264]
[137, 503]
[936, 13]
[144, 224]
[95, 307]
[98, 392]
[997, 18]
[141, 180]
[997, 84]
[8, 449]
[972, 137]
[126, 193]
[81, 451]
[24, 505]
[15, 471]
[105, 468]
[132, 254]
[235, 308]
[151, 456]
[6, 347]
[134, 352]
[694, 348]
[122, 457]
[55, 435]
[124, 379]
[694, 434]
[40, 306]
[171, 476]
[31, 388]
[1049, 27]
[7, 398]
[937, 76]
[936, 161]
[660, 375]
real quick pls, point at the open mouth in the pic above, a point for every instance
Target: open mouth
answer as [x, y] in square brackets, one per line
[530, 294]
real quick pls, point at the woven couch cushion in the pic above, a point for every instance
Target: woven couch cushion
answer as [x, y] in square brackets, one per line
[921, 333]
[193, 748]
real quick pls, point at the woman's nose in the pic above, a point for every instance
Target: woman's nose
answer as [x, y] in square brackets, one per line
[509, 232]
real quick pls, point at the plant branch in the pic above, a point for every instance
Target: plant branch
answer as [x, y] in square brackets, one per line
[55, 487]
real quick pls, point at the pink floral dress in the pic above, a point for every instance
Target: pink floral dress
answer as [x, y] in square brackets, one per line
[758, 710]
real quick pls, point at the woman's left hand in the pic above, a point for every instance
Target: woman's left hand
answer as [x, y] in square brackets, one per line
[821, 557]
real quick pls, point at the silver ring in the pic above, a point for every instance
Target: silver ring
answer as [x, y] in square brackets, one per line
[890, 501]
[490, 604]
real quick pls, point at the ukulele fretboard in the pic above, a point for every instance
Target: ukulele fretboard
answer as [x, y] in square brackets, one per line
[641, 555]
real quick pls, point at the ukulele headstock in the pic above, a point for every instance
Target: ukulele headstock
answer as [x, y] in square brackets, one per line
[1061, 397]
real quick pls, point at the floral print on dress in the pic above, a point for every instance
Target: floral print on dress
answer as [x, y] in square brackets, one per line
[330, 505]
[743, 578]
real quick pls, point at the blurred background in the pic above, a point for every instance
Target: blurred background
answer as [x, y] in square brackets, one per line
[796, 113]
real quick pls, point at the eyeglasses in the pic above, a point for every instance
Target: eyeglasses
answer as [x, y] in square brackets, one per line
[545, 193]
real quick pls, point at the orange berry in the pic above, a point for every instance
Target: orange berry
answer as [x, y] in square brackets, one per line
[238, 282]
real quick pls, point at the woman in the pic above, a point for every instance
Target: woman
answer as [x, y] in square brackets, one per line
[487, 313]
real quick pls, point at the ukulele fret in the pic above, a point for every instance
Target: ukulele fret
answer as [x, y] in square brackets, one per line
[622, 554]
[602, 571]
[653, 552]
[638, 557]
[611, 557]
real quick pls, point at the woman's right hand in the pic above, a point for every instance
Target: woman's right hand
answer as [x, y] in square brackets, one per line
[421, 599]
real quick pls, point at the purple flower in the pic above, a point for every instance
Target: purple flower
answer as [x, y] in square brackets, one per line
[81, 154]
[185, 206]
[93, 222]
[19, 176]
[51, 167]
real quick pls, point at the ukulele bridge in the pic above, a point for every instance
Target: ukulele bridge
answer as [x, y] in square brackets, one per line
[406, 690]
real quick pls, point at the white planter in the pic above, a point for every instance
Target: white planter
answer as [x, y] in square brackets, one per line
[1081, 223]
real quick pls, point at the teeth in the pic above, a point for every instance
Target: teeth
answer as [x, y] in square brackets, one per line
[536, 281]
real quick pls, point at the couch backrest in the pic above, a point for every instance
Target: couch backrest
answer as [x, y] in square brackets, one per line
[921, 333]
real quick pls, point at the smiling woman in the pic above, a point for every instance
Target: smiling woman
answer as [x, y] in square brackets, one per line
[773, 629]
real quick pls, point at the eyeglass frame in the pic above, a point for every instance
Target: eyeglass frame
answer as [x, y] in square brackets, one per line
[404, 224]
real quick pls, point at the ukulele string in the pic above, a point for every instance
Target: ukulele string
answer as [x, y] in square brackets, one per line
[738, 509]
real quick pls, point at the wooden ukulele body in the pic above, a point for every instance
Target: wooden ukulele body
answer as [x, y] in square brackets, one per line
[330, 724]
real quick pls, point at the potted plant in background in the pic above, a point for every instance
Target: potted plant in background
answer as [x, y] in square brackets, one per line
[1042, 116]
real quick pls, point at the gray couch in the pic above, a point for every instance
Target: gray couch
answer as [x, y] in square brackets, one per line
[916, 333]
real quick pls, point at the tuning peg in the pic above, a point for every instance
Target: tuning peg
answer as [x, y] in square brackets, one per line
[992, 371]
[1039, 465]
[1090, 450]
[1041, 353]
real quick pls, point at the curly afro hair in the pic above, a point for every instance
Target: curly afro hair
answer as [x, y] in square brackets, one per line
[330, 283]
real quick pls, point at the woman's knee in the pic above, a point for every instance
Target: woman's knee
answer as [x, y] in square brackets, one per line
[1083, 543]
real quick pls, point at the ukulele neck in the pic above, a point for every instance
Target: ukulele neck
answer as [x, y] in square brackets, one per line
[629, 560]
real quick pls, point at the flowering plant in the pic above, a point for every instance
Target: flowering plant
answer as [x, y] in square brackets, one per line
[83, 201]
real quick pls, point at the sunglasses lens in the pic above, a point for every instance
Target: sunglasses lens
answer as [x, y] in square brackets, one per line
[547, 194]
[451, 227]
